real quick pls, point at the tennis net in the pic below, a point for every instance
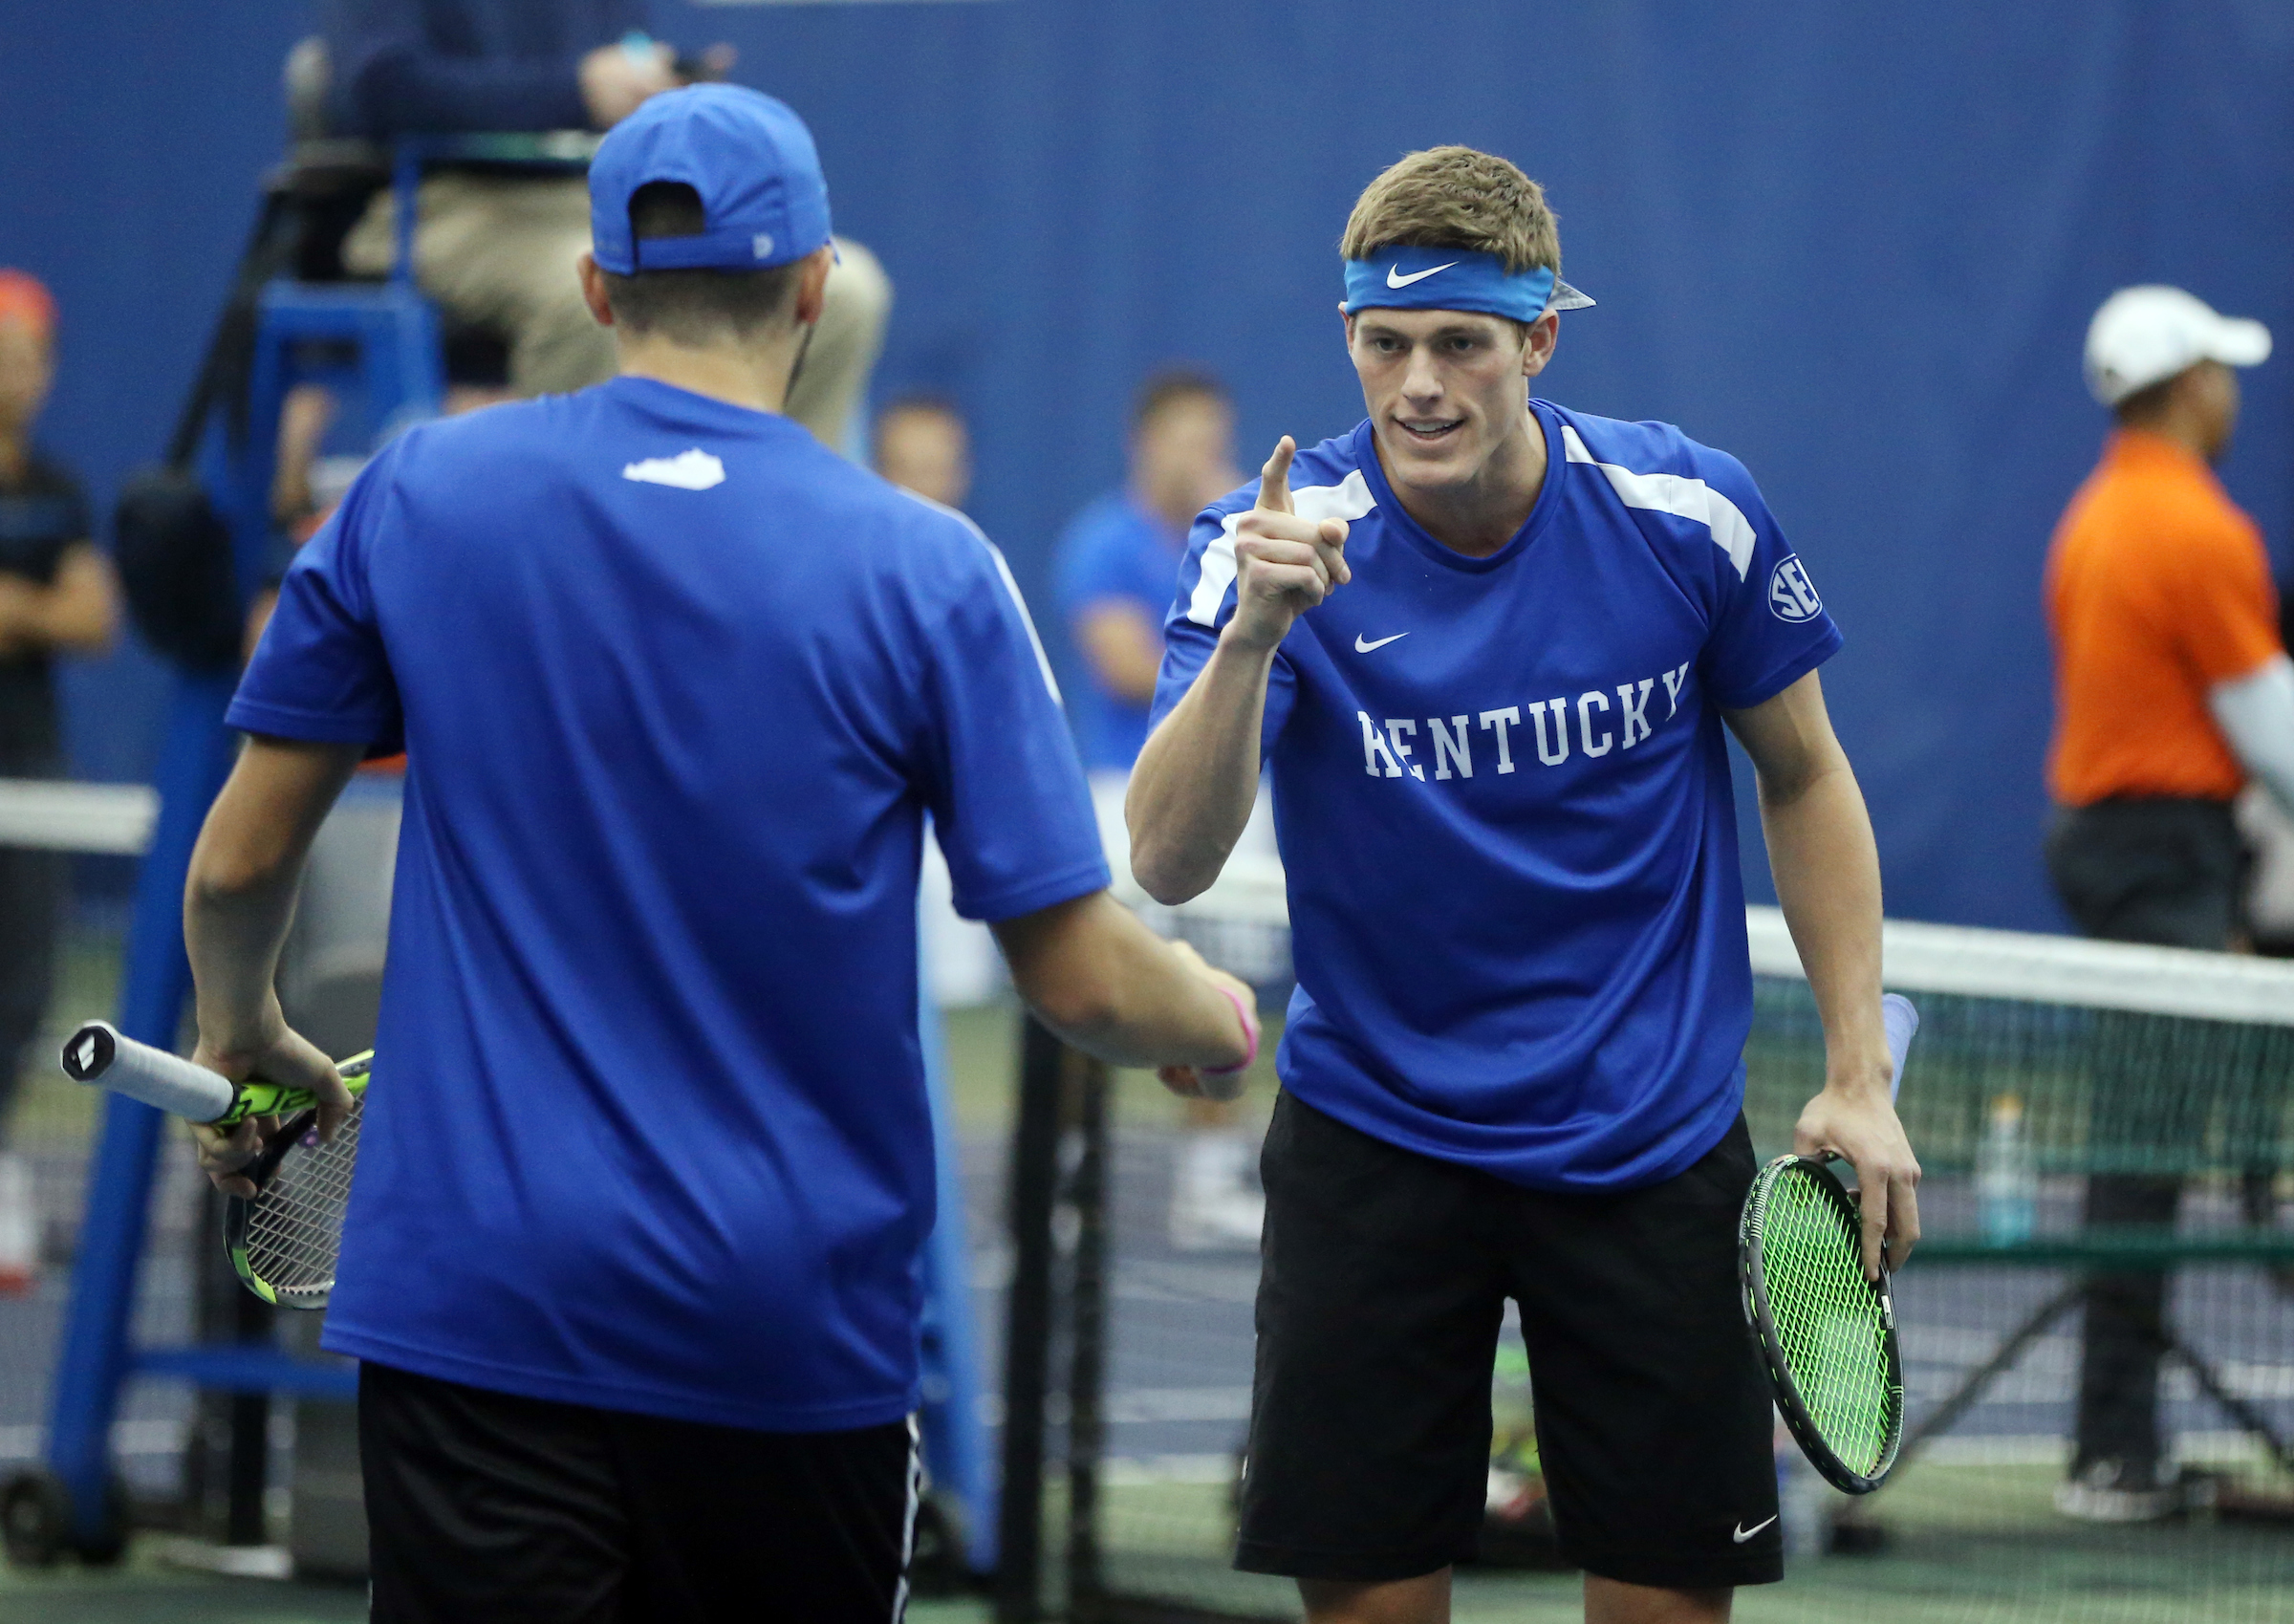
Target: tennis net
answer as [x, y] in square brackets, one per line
[2105, 1136]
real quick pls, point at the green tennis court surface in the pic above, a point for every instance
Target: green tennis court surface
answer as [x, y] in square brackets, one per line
[1966, 1546]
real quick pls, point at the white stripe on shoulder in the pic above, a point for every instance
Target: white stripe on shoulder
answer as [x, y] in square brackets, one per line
[1348, 500]
[1043, 662]
[1682, 497]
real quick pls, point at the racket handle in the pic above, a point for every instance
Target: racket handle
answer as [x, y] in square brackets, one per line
[100, 1054]
[1900, 1020]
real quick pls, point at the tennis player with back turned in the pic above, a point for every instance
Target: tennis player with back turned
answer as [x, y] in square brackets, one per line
[632, 1255]
[1489, 648]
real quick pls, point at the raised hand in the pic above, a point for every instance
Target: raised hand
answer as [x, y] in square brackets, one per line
[1283, 565]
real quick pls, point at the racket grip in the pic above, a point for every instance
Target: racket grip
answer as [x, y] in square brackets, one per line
[100, 1054]
[1900, 1020]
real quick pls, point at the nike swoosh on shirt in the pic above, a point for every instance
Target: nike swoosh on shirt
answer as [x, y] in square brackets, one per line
[1395, 279]
[1744, 1533]
[1361, 647]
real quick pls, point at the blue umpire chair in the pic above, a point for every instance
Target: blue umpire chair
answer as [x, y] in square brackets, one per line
[378, 347]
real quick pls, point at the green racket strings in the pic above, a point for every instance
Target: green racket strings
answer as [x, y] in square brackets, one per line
[1829, 1322]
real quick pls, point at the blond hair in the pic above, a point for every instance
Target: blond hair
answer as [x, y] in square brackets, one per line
[1454, 197]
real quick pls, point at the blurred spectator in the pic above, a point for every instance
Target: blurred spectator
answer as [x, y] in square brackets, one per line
[1117, 565]
[1117, 571]
[56, 596]
[923, 445]
[2171, 690]
[306, 488]
[302, 494]
[920, 444]
[495, 245]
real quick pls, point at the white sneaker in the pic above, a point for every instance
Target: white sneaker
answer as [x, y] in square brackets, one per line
[1214, 1207]
[1226, 1220]
[19, 1226]
[2108, 1492]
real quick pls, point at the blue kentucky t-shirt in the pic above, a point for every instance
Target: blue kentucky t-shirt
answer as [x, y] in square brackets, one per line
[677, 687]
[1502, 793]
[1114, 551]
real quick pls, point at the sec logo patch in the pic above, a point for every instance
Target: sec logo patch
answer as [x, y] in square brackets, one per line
[1792, 596]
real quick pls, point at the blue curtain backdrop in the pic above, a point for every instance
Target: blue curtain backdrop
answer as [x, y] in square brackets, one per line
[1856, 246]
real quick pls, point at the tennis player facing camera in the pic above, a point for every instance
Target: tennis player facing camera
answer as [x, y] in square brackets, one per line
[632, 1256]
[1489, 648]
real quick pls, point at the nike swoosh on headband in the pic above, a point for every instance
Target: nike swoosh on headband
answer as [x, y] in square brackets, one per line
[1395, 279]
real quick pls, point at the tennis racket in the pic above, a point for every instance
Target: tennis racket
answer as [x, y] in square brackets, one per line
[1826, 1334]
[284, 1239]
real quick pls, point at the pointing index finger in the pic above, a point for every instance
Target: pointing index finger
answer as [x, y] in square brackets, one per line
[1274, 479]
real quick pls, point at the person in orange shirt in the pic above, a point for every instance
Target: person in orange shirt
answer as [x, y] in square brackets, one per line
[2173, 689]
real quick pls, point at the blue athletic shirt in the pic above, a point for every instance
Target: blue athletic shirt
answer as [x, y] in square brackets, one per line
[1502, 793]
[678, 686]
[1114, 551]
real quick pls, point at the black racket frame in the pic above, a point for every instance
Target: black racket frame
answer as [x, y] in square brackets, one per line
[1761, 1323]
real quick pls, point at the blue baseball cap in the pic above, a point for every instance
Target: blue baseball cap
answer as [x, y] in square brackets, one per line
[750, 157]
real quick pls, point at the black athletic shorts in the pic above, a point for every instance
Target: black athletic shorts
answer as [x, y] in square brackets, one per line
[484, 1506]
[1384, 1285]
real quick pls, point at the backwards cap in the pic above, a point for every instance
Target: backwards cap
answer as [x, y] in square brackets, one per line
[763, 198]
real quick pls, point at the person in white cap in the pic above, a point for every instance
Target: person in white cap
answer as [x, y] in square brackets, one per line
[2172, 691]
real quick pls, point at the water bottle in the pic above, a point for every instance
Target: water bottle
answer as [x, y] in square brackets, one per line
[2006, 1176]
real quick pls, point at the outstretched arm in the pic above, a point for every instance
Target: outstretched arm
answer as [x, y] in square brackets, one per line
[238, 902]
[1192, 790]
[393, 80]
[1104, 982]
[1827, 879]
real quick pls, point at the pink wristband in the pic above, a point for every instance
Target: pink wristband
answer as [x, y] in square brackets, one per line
[1250, 1038]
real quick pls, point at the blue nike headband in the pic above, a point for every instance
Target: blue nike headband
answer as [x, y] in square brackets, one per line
[1400, 277]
